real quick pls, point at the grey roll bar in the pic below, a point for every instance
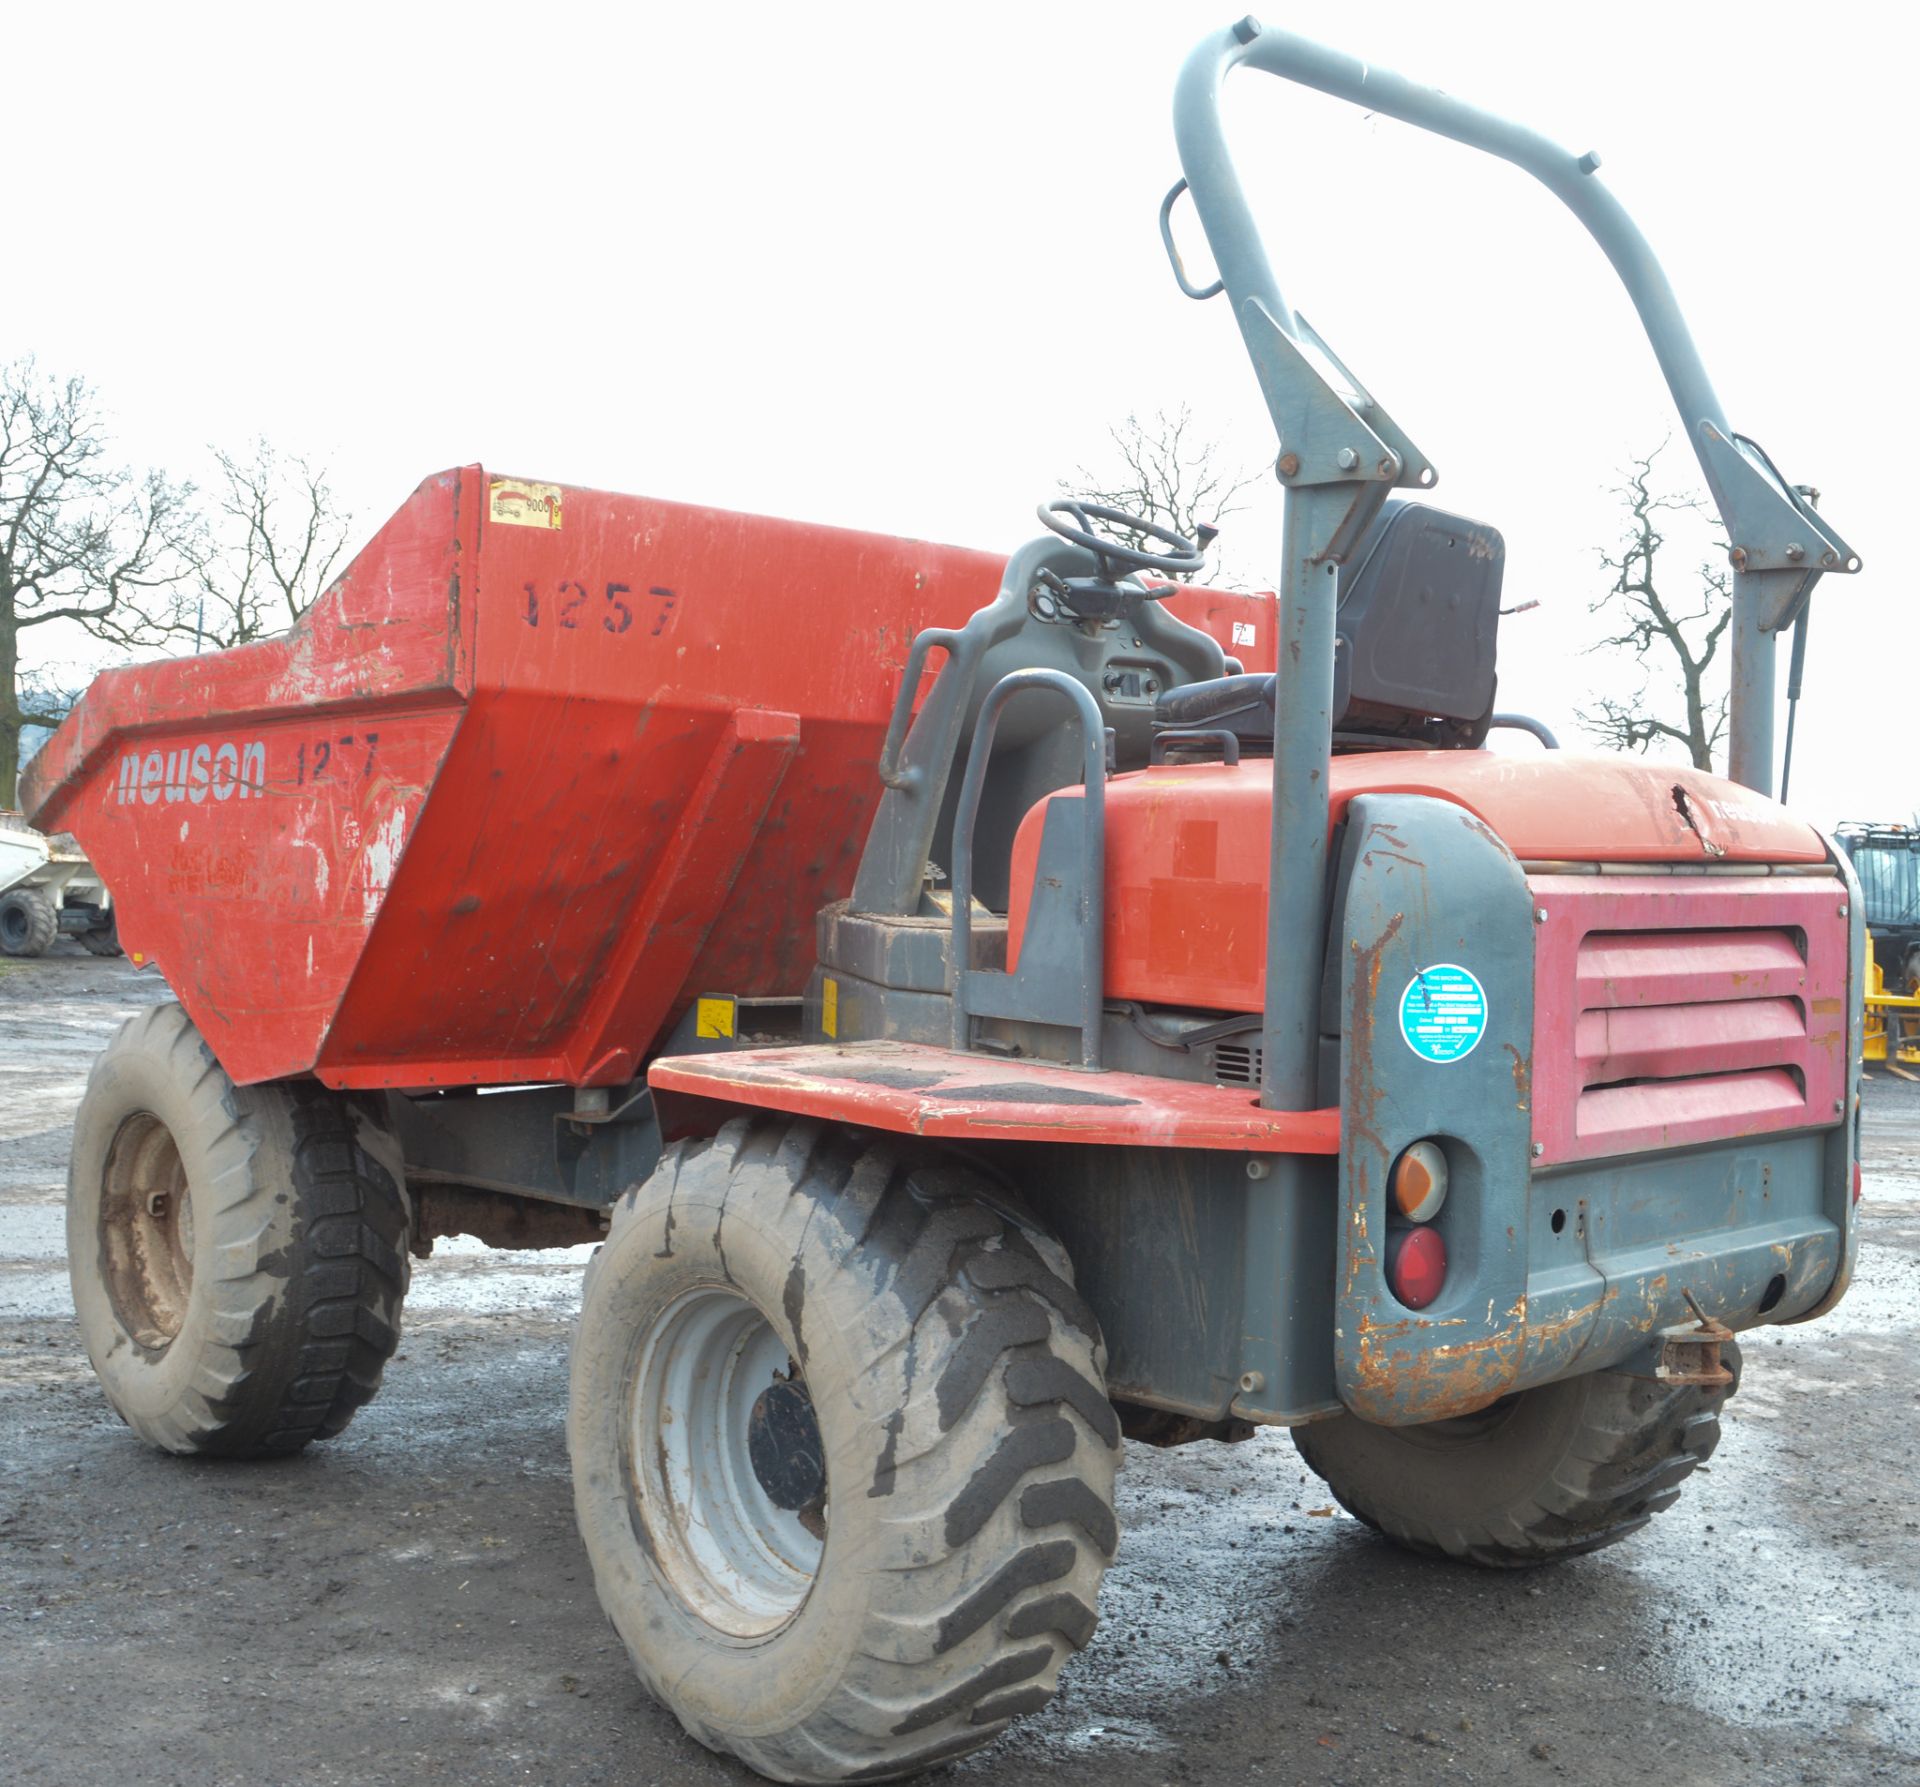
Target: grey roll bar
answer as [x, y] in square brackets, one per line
[1341, 453]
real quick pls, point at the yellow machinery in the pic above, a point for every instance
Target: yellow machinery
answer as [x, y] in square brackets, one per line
[1893, 1021]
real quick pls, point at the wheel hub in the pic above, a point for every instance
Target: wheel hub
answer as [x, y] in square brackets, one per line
[783, 1442]
[726, 1466]
[146, 1232]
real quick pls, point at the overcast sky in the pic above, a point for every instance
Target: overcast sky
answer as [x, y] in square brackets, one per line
[896, 266]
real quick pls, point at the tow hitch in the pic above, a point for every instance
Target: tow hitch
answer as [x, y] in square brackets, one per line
[1692, 1356]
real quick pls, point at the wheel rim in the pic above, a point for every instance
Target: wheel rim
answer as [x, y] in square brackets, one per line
[725, 1470]
[146, 1232]
[13, 926]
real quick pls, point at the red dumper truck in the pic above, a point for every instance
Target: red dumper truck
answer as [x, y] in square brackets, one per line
[984, 1010]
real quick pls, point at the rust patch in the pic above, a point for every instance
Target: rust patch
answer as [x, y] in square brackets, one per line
[1522, 1079]
[1364, 1150]
[1397, 1376]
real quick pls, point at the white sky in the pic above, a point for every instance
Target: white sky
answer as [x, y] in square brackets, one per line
[896, 266]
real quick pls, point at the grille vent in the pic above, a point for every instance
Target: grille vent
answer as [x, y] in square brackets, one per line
[1676, 1010]
[1236, 1063]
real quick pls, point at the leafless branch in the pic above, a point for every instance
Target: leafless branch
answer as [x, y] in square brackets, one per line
[1670, 632]
[276, 538]
[82, 539]
[1165, 473]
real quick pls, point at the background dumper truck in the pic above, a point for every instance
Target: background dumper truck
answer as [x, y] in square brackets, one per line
[980, 1021]
[49, 890]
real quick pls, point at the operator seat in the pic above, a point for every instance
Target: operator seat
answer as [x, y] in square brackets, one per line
[1414, 644]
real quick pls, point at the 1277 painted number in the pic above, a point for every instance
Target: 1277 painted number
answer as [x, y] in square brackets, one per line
[570, 604]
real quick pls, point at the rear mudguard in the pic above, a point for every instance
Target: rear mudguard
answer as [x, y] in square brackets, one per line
[1550, 1269]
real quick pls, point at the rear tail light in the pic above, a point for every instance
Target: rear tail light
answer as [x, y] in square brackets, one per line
[1856, 1178]
[1419, 1182]
[1416, 1266]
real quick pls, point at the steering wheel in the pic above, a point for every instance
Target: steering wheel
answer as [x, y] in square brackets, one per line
[1073, 520]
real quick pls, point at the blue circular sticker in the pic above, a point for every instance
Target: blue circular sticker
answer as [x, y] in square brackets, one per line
[1443, 1013]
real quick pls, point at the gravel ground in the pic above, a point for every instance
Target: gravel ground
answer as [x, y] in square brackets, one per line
[409, 1603]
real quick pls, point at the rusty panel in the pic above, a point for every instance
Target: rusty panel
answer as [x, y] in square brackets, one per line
[1428, 884]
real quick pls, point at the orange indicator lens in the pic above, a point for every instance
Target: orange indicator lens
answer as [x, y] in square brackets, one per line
[1419, 1182]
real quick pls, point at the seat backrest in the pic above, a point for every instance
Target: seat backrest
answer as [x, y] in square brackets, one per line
[1414, 646]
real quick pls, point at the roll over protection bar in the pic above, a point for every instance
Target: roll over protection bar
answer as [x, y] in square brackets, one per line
[1341, 453]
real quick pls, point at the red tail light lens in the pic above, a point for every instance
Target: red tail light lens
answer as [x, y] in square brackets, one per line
[1416, 1265]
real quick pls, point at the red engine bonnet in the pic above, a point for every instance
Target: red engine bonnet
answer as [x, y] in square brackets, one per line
[1186, 892]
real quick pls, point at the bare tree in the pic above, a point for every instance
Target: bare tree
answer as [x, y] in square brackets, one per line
[47, 696]
[274, 538]
[82, 539]
[1675, 633]
[1167, 473]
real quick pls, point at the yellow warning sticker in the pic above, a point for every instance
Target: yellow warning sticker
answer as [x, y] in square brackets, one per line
[713, 1017]
[830, 1007]
[520, 504]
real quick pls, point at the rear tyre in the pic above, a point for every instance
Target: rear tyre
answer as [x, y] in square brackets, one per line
[103, 939]
[28, 922]
[843, 1457]
[238, 1253]
[1548, 1473]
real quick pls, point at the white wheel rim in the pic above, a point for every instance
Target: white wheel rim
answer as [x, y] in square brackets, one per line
[146, 1232]
[739, 1561]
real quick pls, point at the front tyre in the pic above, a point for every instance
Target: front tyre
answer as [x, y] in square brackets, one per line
[238, 1253]
[843, 1458]
[28, 922]
[1547, 1473]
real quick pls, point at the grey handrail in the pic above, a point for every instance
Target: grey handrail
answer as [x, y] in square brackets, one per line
[1526, 723]
[1227, 739]
[1093, 849]
[925, 643]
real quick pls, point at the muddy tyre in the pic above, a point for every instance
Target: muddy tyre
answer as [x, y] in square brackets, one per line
[28, 922]
[1549, 1473]
[843, 1457]
[103, 940]
[238, 1253]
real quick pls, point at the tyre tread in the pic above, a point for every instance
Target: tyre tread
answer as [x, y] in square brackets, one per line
[305, 1310]
[1636, 1443]
[42, 920]
[998, 1464]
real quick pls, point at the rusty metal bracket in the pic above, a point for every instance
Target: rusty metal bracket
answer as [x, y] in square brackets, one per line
[594, 1105]
[1692, 1355]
